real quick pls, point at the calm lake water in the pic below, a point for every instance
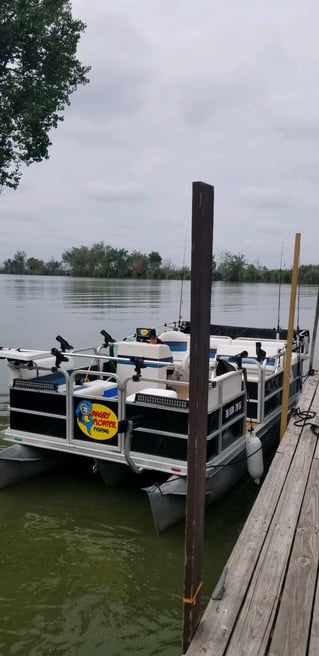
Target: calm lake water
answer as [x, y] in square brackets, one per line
[82, 571]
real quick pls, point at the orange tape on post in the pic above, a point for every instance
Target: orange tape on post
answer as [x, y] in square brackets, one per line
[192, 601]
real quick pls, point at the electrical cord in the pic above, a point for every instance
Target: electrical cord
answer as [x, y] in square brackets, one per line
[305, 376]
[304, 419]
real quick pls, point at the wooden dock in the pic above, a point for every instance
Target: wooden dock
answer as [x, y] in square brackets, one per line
[270, 589]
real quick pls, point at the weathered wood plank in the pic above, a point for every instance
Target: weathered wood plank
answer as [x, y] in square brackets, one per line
[316, 456]
[252, 630]
[244, 565]
[292, 626]
[314, 631]
[309, 516]
[291, 631]
[219, 618]
[308, 401]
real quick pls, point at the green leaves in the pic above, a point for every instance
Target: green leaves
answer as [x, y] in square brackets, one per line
[38, 73]
[232, 267]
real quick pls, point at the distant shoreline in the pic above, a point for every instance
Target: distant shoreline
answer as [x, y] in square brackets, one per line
[102, 261]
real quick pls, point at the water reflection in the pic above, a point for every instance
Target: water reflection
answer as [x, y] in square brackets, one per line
[111, 294]
[81, 566]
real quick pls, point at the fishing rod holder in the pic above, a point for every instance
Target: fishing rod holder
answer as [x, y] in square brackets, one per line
[107, 338]
[59, 357]
[139, 365]
[238, 358]
[65, 346]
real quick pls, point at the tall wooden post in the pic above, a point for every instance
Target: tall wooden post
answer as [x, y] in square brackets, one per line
[201, 281]
[314, 334]
[286, 383]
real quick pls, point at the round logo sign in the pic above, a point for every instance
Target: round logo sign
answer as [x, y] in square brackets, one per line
[96, 421]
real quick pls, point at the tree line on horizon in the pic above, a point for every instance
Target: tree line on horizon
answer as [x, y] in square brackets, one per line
[104, 261]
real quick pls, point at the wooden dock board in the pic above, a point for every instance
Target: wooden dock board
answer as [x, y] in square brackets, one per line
[271, 600]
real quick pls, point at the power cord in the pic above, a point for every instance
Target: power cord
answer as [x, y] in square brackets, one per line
[304, 419]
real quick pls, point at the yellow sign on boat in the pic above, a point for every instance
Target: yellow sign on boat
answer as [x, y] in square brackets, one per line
[96, 420]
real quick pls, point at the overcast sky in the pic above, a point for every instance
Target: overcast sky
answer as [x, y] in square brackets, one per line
[223, 91]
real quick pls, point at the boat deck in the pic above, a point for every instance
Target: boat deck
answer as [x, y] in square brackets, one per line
[269, 588]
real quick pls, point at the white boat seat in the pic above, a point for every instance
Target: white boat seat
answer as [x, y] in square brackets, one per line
[156, 391]
[216, 343]
[157, 357]
[237, 347]
[97, 388]
[179, 345]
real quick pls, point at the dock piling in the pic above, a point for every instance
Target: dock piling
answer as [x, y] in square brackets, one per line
[201, 281]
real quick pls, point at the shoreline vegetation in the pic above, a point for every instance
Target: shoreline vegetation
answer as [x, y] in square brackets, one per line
[103, 261]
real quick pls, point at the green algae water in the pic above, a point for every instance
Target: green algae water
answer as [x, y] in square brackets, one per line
[82, 570]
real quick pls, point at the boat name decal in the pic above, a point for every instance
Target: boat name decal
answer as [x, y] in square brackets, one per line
[96, 421]
[233, 409]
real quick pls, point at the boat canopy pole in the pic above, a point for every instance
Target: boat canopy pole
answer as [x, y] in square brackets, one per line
[286, 382]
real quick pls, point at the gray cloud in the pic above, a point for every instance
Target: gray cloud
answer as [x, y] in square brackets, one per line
[20, 216]
[114, 91]
[203, 97]
[306, 171]
[299, 128]
[265, 198]
[108, 193]
[179, 92]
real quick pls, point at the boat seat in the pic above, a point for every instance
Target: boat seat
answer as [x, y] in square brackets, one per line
[156, 391]
[272, 347]
[179, 344]
[157, 357]
[270, 368]
[250, 363]
[216, 343]
[237, 346]
[97, 388]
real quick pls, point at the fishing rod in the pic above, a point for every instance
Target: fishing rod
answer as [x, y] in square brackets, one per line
[182, 285]
[279, 292]
[298, 304]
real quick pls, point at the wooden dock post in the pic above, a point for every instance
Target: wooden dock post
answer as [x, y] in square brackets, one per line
[314, 334]
[201, 281]
[286, 382]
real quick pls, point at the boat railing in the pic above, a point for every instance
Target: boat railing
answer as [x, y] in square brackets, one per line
[57, 419]
[87, 390]
[255, 380]
[223, 391]
[265, 384]
[264, 380]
